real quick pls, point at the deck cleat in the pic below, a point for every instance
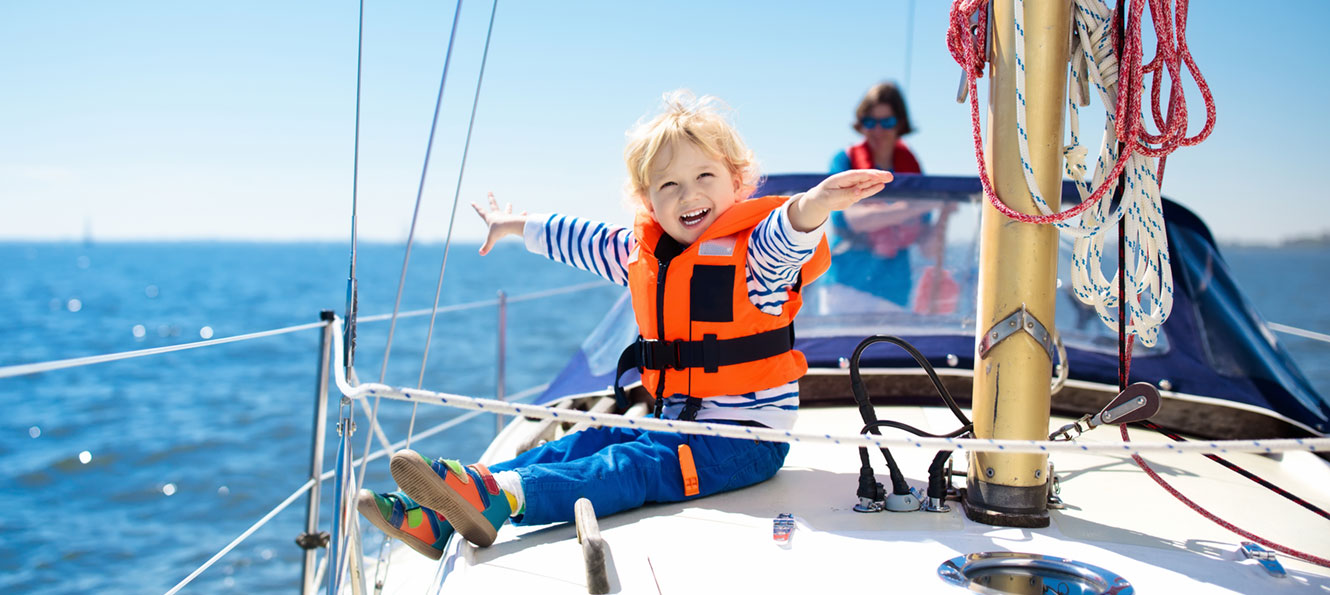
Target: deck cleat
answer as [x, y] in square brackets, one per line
[1265, 557]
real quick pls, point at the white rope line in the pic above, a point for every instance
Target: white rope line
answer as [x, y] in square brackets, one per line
[243, 536]
[491, 302]
[1293, 330]
[38, 367]
[869, 440]
[326, 475]
[751, 433]
[389, 448]
[22, 369]
[1140, 211]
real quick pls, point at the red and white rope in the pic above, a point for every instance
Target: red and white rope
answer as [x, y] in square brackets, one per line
[1318, 560]
[1148, 272]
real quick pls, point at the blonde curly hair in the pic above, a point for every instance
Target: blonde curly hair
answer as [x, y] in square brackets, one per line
[698, 120]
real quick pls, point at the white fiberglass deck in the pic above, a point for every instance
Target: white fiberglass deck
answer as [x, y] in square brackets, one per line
[1116, 518]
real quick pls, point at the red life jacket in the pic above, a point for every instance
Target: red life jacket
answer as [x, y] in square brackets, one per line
[902, 159]
[701, 335]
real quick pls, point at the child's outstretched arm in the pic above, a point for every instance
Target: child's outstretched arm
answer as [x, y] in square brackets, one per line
[600, 248]
[502, 222]
[833, 194]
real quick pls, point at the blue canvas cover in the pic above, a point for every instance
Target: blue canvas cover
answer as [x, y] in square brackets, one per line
[1214, 343]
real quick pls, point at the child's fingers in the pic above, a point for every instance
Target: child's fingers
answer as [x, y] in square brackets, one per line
[494, 204]
[874, 185]
[866, 191]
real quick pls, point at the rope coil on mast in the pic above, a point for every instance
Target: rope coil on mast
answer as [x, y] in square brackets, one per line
[1149, 270]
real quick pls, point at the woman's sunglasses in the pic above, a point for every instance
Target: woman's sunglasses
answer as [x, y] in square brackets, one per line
[871, 123]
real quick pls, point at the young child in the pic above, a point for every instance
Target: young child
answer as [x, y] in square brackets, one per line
[714, 273]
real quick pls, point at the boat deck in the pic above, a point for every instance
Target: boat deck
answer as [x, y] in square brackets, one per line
[1116, 518]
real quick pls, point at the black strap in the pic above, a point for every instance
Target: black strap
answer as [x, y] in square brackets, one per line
[691, 406]
[709, 354]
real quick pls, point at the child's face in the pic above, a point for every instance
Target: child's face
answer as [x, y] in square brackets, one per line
[689, 190]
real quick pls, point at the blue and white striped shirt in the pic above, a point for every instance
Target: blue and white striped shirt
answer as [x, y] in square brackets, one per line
[776, 251]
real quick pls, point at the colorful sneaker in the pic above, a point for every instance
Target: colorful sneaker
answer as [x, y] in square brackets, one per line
[402, 518]
[468, 496]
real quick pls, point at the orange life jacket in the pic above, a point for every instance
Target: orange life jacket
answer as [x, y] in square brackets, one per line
[715, 341]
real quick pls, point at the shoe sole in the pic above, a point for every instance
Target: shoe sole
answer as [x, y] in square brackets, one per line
[418, 479]
[370, 510]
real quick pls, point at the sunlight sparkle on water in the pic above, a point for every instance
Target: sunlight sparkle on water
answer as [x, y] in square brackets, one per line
[206, 332]
[34, 431]
[140, 331]
[169, 489]
[85, 457]
[74, 305]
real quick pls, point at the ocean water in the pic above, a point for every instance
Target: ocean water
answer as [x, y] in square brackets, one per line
[124, 477]
[184, 451]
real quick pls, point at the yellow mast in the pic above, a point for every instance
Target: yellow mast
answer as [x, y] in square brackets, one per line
[1018, 267]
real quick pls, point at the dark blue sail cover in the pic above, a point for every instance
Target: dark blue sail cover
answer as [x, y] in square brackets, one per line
[1214, 343]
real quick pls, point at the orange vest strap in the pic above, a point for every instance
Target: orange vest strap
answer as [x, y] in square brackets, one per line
[689, 470]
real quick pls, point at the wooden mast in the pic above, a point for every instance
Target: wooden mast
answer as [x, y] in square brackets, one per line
[1018, 266]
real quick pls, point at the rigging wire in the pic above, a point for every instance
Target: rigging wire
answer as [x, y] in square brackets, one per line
[452, 218]
[309, 483]
[415, 216]
[76, 362]
[420, 191]
[47, 366]
[352, 291]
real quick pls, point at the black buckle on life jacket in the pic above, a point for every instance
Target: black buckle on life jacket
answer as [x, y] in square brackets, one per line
[659, 355]
[709, 354]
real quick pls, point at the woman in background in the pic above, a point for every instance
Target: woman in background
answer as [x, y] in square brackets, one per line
[870, 247]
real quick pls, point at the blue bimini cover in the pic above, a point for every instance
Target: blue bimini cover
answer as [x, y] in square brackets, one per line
[905, 263]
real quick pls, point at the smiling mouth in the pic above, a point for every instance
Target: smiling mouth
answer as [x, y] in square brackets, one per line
[692, 218]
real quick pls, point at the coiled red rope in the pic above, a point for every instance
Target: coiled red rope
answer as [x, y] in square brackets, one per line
[967, 42]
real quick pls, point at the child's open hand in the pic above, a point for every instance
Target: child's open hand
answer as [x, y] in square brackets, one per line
[848, 187]
[502, 222]
[835, 193]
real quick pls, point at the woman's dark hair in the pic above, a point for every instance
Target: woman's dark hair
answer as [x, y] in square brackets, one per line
[884, 93]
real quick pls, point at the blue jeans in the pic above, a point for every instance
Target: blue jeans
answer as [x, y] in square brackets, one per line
[623, 468]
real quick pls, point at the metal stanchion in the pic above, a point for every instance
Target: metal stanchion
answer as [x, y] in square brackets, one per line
[311, 540]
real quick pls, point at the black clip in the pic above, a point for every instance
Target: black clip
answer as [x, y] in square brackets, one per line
[309, 541]
[659, 355]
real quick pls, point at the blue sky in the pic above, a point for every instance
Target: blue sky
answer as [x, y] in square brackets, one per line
[235, 120]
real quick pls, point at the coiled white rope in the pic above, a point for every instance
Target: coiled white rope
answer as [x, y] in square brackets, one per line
[1147, 266]
[364, 391]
